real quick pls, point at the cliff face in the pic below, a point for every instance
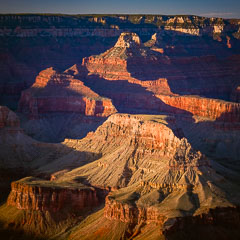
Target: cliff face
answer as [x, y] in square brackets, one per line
[133, 149]
[28, 195]
[205, 107]
[171, 169]
[169, 227]
[54, 92]
[130, 214]
[154, 173]
[136, 73]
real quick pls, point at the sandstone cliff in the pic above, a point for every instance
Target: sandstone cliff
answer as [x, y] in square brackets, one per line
[162, 179]
[29, 194]
[142, 71]
[172, 171]
[54, 92]
[210, 108]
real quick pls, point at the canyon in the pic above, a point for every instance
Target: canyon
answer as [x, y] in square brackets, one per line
[119, 127]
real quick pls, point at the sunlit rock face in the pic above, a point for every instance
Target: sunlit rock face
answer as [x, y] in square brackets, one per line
[154, 174]
[27, 194]
[55, 92]
[128, 40]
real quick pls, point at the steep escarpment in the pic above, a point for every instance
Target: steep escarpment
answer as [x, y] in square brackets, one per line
[30, 194]
[210, 108]
[162, 179]
[54, 92]
[134, 73]
[131, 145]
[39, 210]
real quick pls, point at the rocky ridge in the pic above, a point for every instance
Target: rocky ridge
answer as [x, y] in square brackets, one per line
[110, 25]
[160, 176]
[140, 74]
[54, 92]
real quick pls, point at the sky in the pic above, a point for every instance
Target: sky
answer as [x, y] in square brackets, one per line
[209, 8]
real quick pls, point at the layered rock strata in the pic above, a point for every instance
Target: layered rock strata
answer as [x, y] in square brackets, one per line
[162, 179]
[54, 92]
[135, 74]
[153, 171]
[205, 107]
[29, 194]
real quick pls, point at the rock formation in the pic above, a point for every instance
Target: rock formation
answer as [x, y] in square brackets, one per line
[59, 25]
[154, 174]
[205, 107]
[29, 194]
[84, 36]
[139, 78]
[54, 92]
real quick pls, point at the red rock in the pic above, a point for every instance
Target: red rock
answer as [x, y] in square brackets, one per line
[205, 107]
[124, 212]
[37, 196]
[54, 92]
[135, 74]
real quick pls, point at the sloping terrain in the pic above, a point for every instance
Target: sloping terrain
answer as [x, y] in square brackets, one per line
[160, 177]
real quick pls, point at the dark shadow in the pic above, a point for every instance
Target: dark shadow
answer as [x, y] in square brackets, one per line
[222, 225]
[6, 177]
[129, 97]
[10, 233]
[205, 76]
[219, 140]
[26, 57]
[56, 126]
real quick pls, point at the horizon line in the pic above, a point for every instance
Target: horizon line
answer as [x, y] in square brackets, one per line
[117, 14]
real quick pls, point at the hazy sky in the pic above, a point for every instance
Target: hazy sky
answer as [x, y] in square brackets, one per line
[215, 8]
